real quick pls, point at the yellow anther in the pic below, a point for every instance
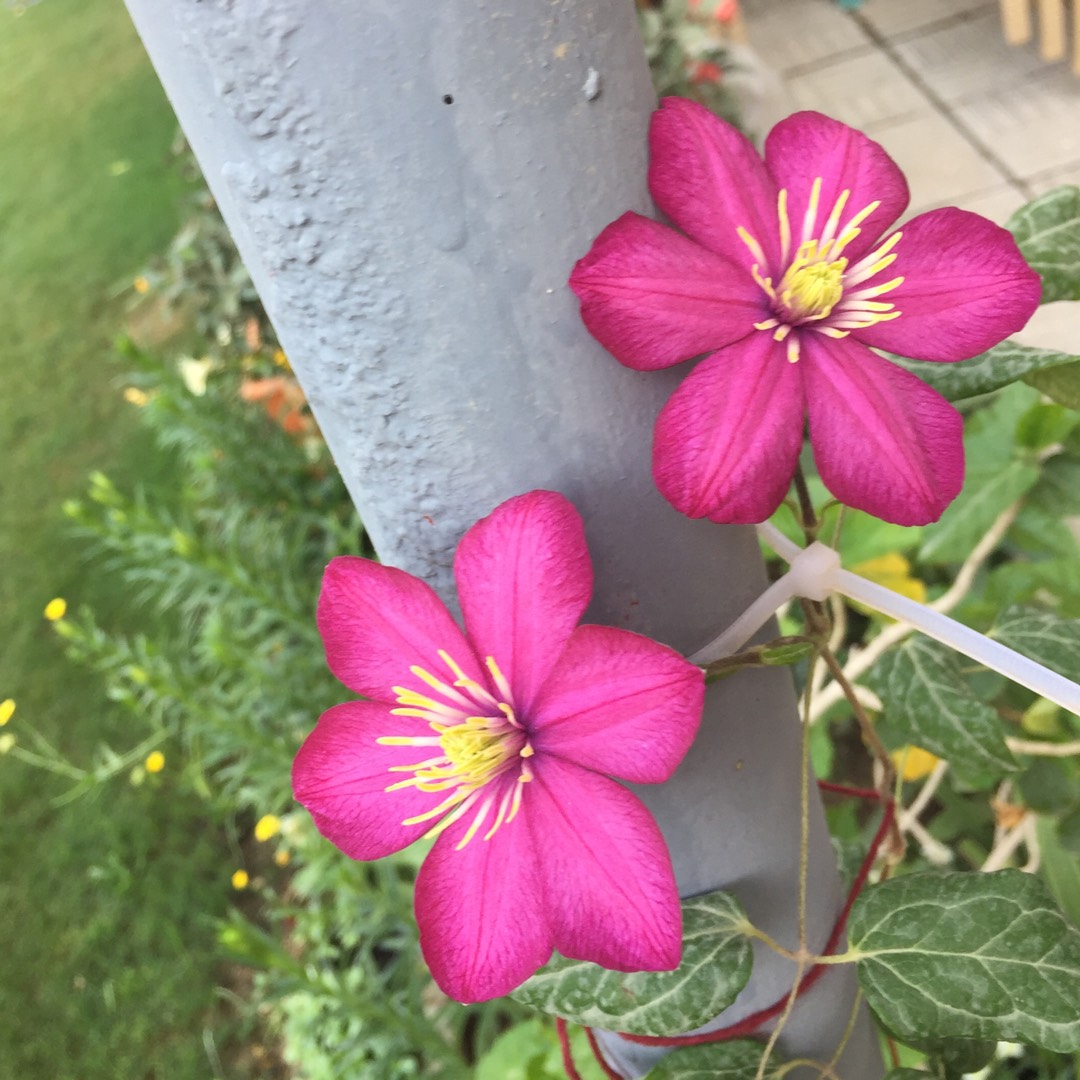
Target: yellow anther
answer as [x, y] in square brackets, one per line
[752, 245]
[785, 225]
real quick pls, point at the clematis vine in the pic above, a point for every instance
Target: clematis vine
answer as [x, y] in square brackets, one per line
[499, 742]
[788, 275]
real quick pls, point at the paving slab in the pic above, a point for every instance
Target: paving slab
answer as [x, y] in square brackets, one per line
[794, 34]
[940, 164]
[1033, 127]
[900, 18]
[860, 90]
[965, 60]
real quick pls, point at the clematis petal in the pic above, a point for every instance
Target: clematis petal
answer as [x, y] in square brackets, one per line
[483, 923]
[653, 298]
[608, 884]
[524, 579]
[619, 703]
[377, 622]
[342, 772]
[726, 444]
[966, 287]
[708, 178]
[808, 145]
[884, 442]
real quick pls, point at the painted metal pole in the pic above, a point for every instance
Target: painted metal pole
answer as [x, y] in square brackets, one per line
[409, 184]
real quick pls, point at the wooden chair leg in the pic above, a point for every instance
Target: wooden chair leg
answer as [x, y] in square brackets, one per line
[1051, 29]
[1016, 21]
[1076, 38]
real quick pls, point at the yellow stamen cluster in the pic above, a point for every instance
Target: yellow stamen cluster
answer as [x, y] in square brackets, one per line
[812, 285]
[818, 288]
[475, 739]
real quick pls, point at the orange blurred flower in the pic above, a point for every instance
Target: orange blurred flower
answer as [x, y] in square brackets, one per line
[283, 401]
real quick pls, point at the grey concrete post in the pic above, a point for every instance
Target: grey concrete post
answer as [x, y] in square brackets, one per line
[409, 183]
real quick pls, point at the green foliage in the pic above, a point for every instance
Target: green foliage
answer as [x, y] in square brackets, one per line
[1044, 637]
[687, 57]
[1000, 469]
[989, 371]
[970, 956]
[715, 967]
[1048, 232]
[736, 1060]
[931, 703]
[530, 1051]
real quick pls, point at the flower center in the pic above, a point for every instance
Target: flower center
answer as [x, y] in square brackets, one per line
[476, 739]
[812, 286]
[819, 286]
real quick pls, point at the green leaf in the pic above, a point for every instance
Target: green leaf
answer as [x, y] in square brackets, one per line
[991, 370]
[970, 956]
[1059, 867]
[1044, 637]
[1055, 581]
[987, 493]
[927, 699]
[905, 1074]
[1048, 232]
[739, 1059]
[1045, 424]
[1059, 486]
[996, 477]
[957, 1057]
[1060, 383]
[715, 967]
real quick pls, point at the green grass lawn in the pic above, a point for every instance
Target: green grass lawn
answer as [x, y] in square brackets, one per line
[109, 965]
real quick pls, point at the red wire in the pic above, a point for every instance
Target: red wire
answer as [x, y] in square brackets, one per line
[607, 1070]
[567, 1053]
[751, 1023]
[854, 792]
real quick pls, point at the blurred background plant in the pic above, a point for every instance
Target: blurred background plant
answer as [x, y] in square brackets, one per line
[212, 932]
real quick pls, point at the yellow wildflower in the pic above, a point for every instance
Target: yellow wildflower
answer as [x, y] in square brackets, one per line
[55, 609]
[240, 879]
[894, 572]
[134, 396]
[141, 285]
[267, 826]
[7, 710]
[7, 741]
[281, 857]
[155, 761]
[914, 763]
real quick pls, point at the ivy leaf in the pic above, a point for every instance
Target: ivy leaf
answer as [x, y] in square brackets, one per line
[987, 493]
[991, 370]
[1048, 232]
[969, 956]
[927, 699]
[1044, 637]
[997, 475]
[739, 1059]
[1061, 383]
[1058, 867]
[956, 1057]
[715, 967]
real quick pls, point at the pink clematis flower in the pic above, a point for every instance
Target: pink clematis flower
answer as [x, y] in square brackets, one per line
[789, 276]
[497, 741]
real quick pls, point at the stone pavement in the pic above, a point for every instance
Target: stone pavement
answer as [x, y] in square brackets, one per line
[972, 121]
